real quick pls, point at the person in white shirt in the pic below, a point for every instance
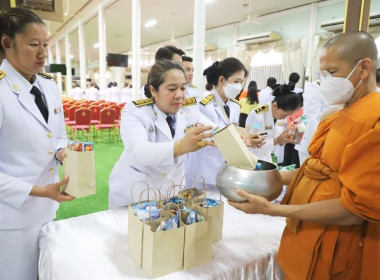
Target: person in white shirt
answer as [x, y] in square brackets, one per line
[125, 93]
[114, 93]
[92, 93]
[313, 107]
[294, 79]
[154, 138]
[191, 90]
[77, 93]
[265, 95]
[378, 80]
[32, 135]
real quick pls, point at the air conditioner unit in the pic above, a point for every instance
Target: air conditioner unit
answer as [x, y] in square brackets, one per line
[337, 24]
[259, 38]
[208, 48]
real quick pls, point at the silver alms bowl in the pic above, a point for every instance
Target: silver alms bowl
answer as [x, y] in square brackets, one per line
[266, 182]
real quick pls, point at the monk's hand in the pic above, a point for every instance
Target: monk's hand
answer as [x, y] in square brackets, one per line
[255, 204]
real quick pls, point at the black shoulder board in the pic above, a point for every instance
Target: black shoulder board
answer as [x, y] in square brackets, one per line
[189, 101]
[2, 74]
[47, 76]
[262, 109]
[143, 102]
[207, 99]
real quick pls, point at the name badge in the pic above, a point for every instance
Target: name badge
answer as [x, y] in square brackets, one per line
[57, 110]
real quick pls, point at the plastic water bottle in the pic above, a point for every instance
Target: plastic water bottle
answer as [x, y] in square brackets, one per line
[255, 128]
[259, 166]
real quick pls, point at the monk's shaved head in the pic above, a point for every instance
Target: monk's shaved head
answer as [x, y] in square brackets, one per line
[352, 46]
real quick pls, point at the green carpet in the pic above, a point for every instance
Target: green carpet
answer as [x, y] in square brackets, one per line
[106, 154]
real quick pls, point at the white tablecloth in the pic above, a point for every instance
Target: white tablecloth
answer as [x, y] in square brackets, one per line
[94, 247]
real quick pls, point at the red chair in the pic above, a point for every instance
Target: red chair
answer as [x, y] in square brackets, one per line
[82, 121]
[95, 109]
[107, 121]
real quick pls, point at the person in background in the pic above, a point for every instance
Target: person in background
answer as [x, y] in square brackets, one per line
[290, 153]
[32, 135]
[170, 53]
[265, 95]
[247, 104]
[92, 93]
[244, 93]
[153, 134]
[191, 90]
[293, 80]
[314, 106]
[332, 204]
[378, 80]
[77, 93]
[114, 93]
[222, 109]
[125, 93]
[285, 103]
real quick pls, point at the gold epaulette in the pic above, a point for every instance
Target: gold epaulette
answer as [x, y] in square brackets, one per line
[261, 109]
[189, 101]
[47, 76]
[2, 74]
[235, 100]
[192, 86]
[143, 102]
[207, 99]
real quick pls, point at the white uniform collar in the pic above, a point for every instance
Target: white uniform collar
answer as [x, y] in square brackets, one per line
[17, 77]
[162, 114]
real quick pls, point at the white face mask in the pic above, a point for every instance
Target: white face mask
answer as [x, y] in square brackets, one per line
[231, 90]
[337, 90]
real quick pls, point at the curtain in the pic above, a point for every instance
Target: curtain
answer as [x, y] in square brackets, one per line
[293, 59]
[260, 74]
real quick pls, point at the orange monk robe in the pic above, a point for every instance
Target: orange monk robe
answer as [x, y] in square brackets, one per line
[344, 164]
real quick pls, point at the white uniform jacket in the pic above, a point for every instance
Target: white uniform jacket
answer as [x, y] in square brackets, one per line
[207, 161]
[114, 95]
[266, 96]
[264, 117]
[313, 107]
[148, 152]
[92, 94]
[27, 149]
[77, 93]
[125, 95]
[192, 91]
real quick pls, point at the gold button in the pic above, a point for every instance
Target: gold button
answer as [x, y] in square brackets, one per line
[50, 152]
[164, 175]
[51, 170]
[50, 135]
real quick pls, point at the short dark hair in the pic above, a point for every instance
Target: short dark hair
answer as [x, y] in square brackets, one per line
[156, 76]
[271, 82]
[294, 78]
[187, 58]
[14, 21]
[167, 52]
[225, 68]
[286, 98]
[378, 75]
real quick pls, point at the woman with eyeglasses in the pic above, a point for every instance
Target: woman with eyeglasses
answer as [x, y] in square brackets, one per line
[263, 120]
[32, 135]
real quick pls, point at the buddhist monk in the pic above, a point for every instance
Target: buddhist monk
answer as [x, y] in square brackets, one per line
[332, 204]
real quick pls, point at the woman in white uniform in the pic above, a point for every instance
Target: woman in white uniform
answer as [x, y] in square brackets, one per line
[153, 135]
[285, 103]
[221, 107]
[32, 133]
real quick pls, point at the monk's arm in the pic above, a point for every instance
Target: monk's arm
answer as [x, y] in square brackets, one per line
[323, 212]
[287, 176]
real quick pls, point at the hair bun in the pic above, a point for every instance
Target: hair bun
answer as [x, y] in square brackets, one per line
[211, 69]
[283, 89]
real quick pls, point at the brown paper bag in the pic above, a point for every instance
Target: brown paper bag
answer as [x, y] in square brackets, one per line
[216, 214]
[163, 250]
[197, 247]
[80, 167]
[233, 149]
[136, 226]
